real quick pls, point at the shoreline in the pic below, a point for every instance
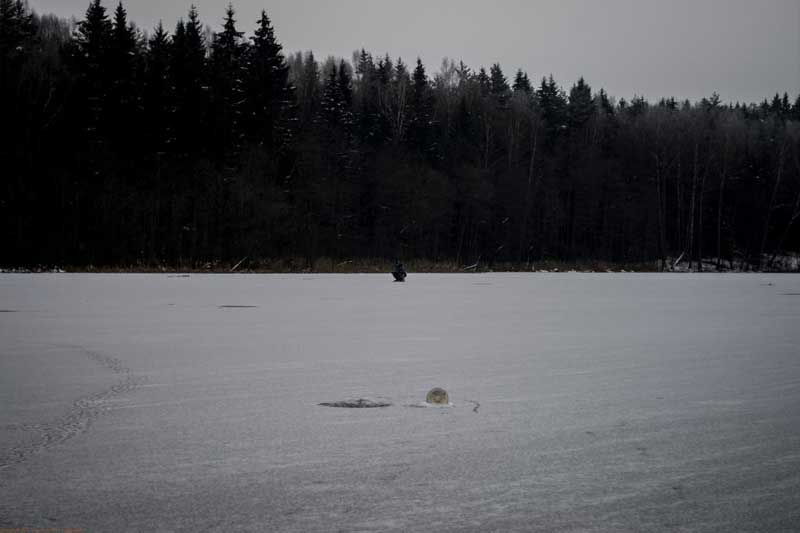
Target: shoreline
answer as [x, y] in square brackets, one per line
[385, 268]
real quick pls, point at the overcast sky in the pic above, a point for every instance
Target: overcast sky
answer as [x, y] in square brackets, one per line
[743, 49]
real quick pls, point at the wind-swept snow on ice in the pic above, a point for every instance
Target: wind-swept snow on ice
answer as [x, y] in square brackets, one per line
[634, 402]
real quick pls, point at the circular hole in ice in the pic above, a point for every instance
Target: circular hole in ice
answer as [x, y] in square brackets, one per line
[437, 396]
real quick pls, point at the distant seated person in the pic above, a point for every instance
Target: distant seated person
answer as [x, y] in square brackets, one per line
[399, 272]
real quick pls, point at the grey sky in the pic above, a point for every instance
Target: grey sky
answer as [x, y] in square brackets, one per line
[743, 49]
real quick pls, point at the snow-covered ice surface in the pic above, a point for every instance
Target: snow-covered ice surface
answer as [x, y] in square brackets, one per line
[637, 402]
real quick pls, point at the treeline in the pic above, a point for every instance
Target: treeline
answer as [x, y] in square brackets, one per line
[184, 147]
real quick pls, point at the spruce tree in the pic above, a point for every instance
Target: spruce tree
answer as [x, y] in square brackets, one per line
[17, 36]
[123, 98]
[384, 71]
[638, 106]
[553, 106]
[367, 101]
[401, 87]
[92, 40]
[776, 106]
[157, 93]
[498, 84]
[227, 87]
[190, 89]
[786, 106]
[308, 85]
[17, 28]
[484, 83]
[605, 103]
[522, 83]
[420, 111]
[796, 109]
[364, 66]
[269, 95]
[345, 92]
[464, 73]
[580, 107]
[331, 103]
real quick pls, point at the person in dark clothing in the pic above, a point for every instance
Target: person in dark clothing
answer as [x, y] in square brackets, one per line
[399, 271]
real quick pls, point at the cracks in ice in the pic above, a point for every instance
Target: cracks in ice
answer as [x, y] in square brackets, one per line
[80, 416]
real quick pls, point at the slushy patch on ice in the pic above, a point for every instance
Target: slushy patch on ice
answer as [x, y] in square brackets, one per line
[360, 403]
[434, 405]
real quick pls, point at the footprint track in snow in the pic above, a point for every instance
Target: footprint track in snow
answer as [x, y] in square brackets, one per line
[80, 416]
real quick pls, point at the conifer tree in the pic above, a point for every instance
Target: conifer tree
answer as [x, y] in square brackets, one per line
[384, 70]
[367, 101]
[227, 87]
[345, 92]
[776, 106]
[498, 84]
[464, 74]
[580, 106]
[17, 40]
[786, 106]
[123, 61]
[331, 103]
[420, 111]
[638, 106]
[605, 103]
[17, 28]
[92, 39]
[483, 82]
[401, 83]
[190, 86]
[17, 35]
[796, 109]
[401, 74]
[308, 85]
[522, 83]
[157, 94]
[269, 95]
[553, 105]
[364, 66]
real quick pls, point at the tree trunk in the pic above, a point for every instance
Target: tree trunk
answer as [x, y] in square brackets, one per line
[722, 179]
[795, 215]
[678, 209]
[659, 194]
[690, 236]
[700, 215]
[523, 230]
[771, 204]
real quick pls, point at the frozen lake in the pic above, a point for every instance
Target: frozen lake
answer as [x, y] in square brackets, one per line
[634, 402]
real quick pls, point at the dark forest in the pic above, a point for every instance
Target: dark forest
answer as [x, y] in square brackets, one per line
[186, 147]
